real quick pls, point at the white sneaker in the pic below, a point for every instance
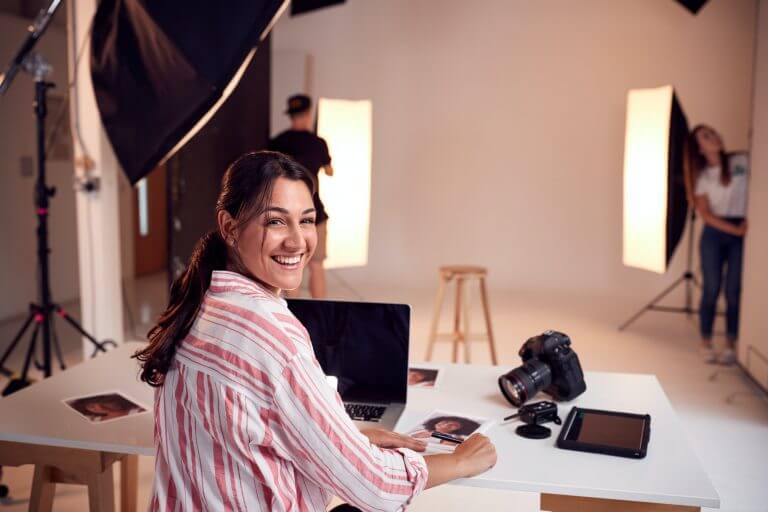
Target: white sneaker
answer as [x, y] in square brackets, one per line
[709, 355]
[727, 357]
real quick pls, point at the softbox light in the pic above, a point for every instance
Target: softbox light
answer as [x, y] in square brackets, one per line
[346, 126]
[655, 203]
[161, 69]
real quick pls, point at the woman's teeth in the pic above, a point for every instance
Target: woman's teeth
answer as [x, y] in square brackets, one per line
[287, 260]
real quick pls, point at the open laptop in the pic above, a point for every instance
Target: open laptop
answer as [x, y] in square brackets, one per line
[363, 349]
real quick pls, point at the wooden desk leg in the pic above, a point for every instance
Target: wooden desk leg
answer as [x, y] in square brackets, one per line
[436, 318]
[561, 503]
[101, 491]
[129, 483]
[43, 488]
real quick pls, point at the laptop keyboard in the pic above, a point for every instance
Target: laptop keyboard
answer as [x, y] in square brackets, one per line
[363, 412]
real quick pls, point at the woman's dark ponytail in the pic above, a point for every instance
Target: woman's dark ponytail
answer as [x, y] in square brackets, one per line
[246, 189]
[187, 291]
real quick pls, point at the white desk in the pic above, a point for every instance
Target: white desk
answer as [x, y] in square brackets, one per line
[670, 476]
[37, 428]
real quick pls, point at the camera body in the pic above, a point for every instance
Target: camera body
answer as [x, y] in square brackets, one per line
[549, 365]
[553, 348]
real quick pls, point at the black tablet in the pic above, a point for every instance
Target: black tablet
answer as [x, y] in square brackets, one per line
[607, 432]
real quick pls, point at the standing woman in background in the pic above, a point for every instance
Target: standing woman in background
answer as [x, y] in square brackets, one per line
[244, 417]
[719, 184]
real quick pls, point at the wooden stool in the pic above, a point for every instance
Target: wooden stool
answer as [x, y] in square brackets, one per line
[54, 464]
[461, 335]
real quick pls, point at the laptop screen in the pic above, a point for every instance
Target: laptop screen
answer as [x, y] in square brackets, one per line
[364, 345]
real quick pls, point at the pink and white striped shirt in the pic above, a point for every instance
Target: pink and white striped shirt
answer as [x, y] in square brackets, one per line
[245, 420]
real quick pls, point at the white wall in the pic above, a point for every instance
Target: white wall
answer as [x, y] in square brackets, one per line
[289, 75]
[17, 212]
[498, 125]
[754, 341]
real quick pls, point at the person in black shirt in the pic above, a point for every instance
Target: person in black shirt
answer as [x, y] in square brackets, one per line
[300, 143]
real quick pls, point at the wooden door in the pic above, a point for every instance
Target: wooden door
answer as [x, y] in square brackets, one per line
[151, 223]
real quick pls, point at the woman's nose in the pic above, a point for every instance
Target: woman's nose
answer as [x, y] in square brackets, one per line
[294, 240]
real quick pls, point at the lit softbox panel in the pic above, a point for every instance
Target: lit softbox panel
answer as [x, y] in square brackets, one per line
[655, 205]
[160, 69]
[346, 127]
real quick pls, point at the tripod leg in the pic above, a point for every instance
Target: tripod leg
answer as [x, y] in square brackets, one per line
[57, 345]
[30, 351]
[15, 342]
[98, 346]
[652, 303]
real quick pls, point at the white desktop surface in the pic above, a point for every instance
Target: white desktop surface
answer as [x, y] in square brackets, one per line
[36, 414]
[670, 473]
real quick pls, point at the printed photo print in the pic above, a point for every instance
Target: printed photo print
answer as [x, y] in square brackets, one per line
[105, 407]
[458, 425]
[423, 377]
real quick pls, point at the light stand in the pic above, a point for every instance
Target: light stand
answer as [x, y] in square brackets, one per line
[40, 313]
[688, 278]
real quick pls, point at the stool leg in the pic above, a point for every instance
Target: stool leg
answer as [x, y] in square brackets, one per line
[436, 317]
[467, 330]
[43, 488]
[487, 313]
[457, 319]
[129, 483]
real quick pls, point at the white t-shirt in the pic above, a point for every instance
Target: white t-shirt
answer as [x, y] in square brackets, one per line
[726, 200]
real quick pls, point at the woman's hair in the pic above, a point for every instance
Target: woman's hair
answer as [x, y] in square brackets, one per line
[696, 162]
[467, 426]
[246, 189]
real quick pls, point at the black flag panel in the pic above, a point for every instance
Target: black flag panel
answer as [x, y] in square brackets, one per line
[677, 205]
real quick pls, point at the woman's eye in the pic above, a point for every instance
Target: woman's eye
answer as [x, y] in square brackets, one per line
[308, 220]
[274, 222]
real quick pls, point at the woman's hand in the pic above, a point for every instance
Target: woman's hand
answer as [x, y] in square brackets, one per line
[388, 439]
[476, 455]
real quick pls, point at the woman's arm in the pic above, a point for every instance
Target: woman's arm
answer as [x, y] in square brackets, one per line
[702, 206]
[474, 456]
[312, 430]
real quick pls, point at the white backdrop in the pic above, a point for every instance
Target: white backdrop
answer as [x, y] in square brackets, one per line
[498, 126]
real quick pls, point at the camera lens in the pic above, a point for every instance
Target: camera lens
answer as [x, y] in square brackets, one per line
[525, 381]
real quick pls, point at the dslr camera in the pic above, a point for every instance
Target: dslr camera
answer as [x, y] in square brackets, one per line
[549, 365]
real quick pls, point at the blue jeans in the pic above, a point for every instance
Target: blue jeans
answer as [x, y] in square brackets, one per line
[718, 250]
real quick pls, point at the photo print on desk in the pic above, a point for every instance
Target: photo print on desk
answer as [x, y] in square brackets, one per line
[454, 424]
[104, 407]
[423, 377]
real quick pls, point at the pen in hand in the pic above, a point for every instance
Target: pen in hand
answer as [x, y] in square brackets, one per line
[447, 437]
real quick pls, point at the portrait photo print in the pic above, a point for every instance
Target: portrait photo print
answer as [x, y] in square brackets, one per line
[419, 377]
[104, 407]
[454, 424]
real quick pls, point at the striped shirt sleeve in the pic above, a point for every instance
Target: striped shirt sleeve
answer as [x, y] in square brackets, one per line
[314, 432]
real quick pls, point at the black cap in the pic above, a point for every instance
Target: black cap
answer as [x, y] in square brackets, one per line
[298, 103]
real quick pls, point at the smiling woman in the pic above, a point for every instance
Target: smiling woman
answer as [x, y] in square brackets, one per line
[243, 417]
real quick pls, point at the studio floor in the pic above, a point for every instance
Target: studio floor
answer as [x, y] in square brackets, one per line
[725, 418]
